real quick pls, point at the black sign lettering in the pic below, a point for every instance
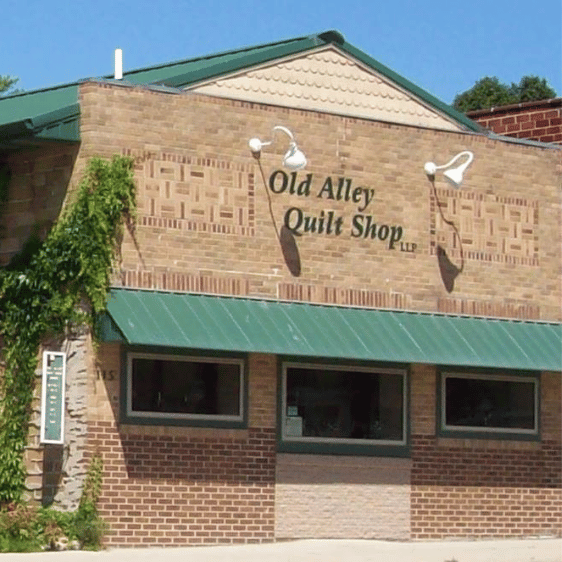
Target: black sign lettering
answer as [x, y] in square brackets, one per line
[278, 186]
[327, 222]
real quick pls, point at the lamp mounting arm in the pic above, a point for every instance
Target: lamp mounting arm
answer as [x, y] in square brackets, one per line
[285, 130]
[455, 175]
[430, 168]
[294, 158]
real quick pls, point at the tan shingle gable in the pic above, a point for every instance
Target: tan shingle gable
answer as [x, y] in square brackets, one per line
[328, 80]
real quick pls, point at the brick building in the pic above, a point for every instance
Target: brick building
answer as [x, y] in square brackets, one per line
[534, 120]
[350, 349]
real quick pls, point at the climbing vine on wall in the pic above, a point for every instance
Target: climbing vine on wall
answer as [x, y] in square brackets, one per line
[4, 181]
[44, 297]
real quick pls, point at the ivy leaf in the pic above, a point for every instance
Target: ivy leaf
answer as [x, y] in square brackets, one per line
[41, 292]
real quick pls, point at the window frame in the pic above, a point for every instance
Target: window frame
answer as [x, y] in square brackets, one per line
[343, 446]
[478, 432]
[129, 416]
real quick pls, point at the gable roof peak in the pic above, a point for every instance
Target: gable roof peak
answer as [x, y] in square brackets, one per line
[189, 73]
[332, 36]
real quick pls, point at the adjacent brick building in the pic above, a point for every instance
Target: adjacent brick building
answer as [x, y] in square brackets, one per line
[353, 349]
[534, 120]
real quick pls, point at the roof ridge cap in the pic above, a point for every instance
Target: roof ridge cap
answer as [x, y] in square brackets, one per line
[328, 36]
[331, 36]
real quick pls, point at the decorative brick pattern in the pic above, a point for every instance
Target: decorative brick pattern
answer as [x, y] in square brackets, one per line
[181, 282]
[185, 488]
[181, 192]
[492, 228]
[342, 296]
[470, 307]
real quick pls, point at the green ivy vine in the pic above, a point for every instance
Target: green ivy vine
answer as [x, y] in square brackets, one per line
[43, 296]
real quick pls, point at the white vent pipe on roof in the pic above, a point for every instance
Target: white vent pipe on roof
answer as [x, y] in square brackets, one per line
[118, 64]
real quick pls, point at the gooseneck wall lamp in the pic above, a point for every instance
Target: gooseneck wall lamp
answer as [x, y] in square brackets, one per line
[454, 175]
[294, 159]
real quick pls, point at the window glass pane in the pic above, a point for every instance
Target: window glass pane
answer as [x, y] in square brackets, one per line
[343, 404]
[185, 387]
[484, 402]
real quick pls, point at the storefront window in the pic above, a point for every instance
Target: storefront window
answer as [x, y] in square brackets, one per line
[192, 389]
[326, 404]
[489, 403]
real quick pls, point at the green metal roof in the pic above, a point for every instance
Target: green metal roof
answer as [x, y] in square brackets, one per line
[37, 115]
[191, 321]
[50, 114]
[27, 105]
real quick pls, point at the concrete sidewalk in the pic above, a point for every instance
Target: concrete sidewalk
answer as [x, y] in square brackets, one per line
[512, 550]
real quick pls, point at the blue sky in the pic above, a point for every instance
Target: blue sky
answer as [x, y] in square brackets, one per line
[442, 46]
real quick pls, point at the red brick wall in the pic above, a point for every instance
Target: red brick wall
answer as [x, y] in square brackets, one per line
[176, 490]
[477, 488]
[174, 485]
[540, 121]
[484, 492]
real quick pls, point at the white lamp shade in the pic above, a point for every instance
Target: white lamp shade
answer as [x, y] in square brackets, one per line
[454, 177]
[295, 158]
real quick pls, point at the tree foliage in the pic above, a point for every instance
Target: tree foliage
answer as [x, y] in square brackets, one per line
[6, 84]
[490, 92]
[533, 88]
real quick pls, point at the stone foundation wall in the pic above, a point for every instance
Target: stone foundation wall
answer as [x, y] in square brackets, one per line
[56, 472]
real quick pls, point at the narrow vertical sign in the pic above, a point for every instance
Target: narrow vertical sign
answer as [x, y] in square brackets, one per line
[52, 397]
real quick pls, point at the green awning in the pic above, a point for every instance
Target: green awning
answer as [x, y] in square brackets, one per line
[151, 318]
